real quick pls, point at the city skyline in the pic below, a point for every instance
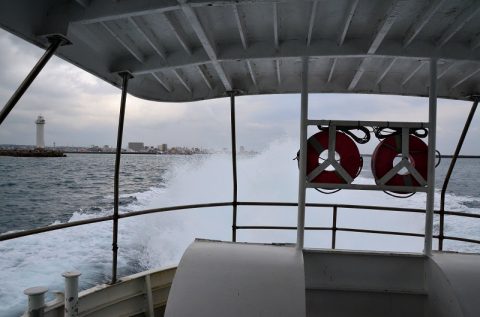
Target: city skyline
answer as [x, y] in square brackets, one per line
[82, 109]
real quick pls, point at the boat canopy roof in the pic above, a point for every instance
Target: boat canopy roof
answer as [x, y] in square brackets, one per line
[181, 50]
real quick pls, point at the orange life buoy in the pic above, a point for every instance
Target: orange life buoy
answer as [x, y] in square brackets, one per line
[387, 150]
[350, 158]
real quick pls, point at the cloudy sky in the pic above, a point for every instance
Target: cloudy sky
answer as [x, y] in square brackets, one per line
[82, 110]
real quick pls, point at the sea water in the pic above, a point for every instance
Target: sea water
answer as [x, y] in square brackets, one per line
[43, 191]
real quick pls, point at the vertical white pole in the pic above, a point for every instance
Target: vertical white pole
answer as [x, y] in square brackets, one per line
[36, 300]
[71, 293]
[303, 155]
[148, 289]
[432, 127]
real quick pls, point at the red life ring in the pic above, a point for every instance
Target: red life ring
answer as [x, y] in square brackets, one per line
[387, 150]
[350, 158]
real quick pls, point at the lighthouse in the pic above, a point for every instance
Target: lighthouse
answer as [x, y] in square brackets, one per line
[40, 122]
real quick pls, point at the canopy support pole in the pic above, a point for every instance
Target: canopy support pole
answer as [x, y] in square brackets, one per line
[302, 175]
[55, 43]
[441, 235]
[432, 131]
[125, 77]
[234, 164]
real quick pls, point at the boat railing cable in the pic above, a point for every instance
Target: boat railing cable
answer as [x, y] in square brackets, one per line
[336, 208]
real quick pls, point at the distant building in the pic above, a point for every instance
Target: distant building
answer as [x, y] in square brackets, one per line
[163, 148]
[136, 146]
[242, 149]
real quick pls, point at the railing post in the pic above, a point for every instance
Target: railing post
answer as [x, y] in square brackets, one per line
[148, 289]
[125, 77]
[334, 227]
[71, 293]
[432, 131]
[303, 158]
[234, 164]
[441, 234]
[55, 43]
[36, 301]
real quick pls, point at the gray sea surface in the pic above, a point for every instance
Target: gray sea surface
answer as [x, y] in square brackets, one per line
[43, 191]
[40, 191]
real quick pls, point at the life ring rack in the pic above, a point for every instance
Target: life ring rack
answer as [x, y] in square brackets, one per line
[400, 149]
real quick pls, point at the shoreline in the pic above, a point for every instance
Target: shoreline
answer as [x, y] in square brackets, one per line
[147, 153]
[32, 153]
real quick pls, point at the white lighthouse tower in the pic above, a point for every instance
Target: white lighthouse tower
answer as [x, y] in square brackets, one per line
[40, 122]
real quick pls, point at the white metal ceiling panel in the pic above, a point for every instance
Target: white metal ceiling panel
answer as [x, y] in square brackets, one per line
[181, 50]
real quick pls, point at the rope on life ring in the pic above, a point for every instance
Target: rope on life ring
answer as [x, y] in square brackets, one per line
[350, 159]
[383, 161]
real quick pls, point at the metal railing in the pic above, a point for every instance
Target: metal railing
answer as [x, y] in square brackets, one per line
[334, 228]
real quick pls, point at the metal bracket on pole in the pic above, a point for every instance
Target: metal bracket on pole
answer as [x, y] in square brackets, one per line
[55, 43]
[125, 77]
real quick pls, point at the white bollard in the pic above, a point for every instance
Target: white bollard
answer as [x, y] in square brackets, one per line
[71, 293]
[36, 300]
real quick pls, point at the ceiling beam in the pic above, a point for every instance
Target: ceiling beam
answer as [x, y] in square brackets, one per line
[313, 15]
[83, 3]
[182, 80]
[421, 21]
[88, 34]
[445, 70]
[177, 30]
[130, 47]
[387, 69]
[332, 69]
[462, 19]
[252, 73]
[109, 10]
[358, 74]
[382, 30]
[414, 71]
[275, 24]
[204, 76]
[465, 78]
[162, 82]
[207, 44]
[475, 42]
[294, 49]
[386, 24]
[223, 76]
[347, 21]
[149, 37]
[241, 26]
